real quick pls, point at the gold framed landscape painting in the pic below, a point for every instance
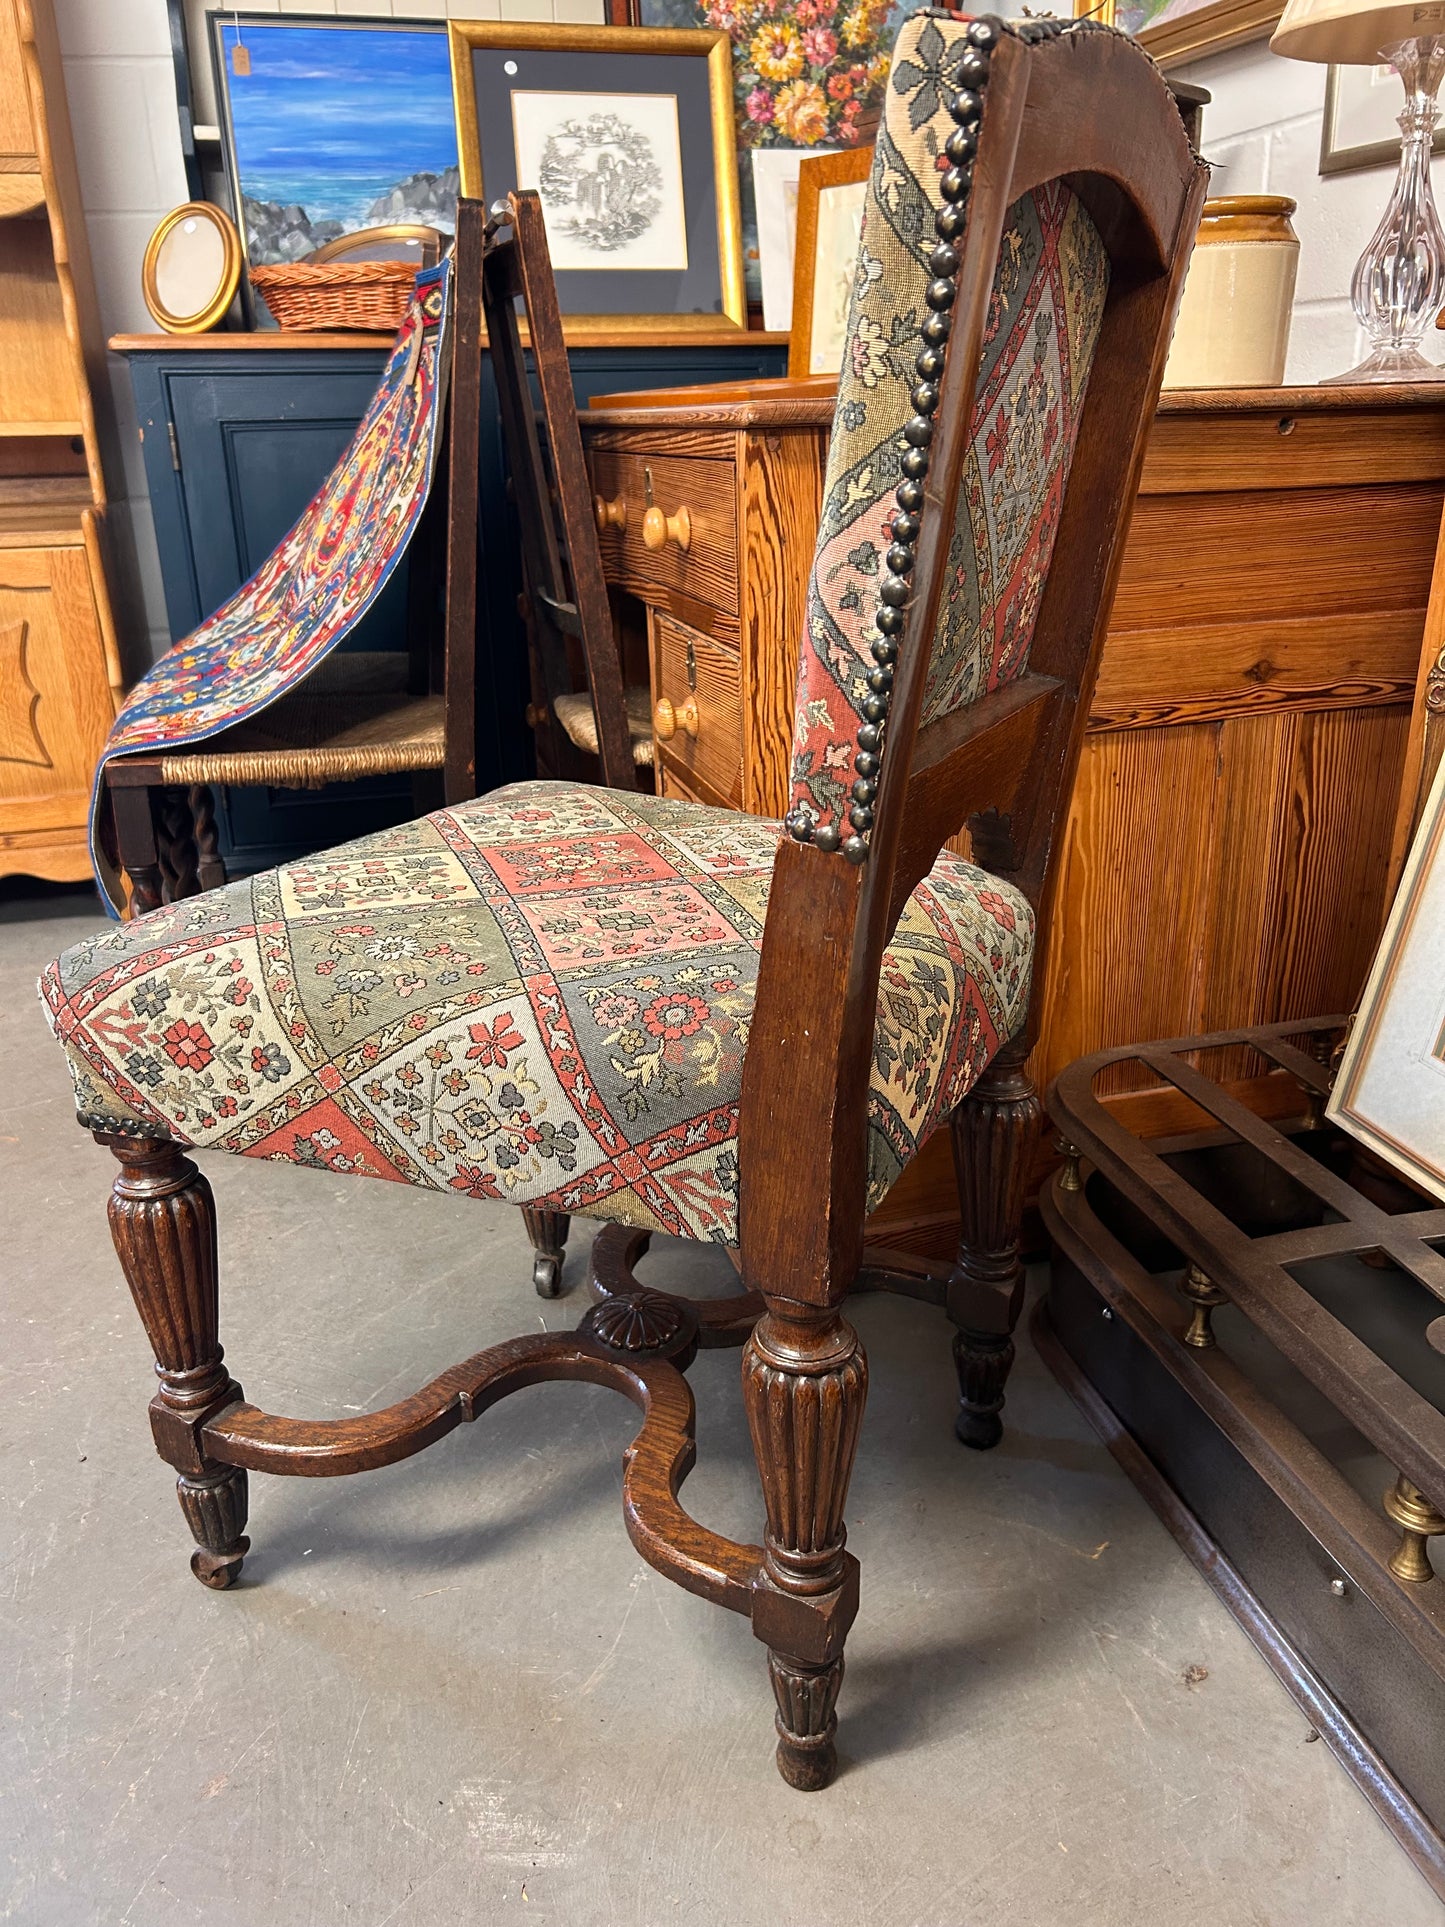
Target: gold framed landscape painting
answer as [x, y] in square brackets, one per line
[627, 136]
[1390, 1091]
[1176, 31]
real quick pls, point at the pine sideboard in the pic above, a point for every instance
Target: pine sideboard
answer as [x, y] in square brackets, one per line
[1227, 859]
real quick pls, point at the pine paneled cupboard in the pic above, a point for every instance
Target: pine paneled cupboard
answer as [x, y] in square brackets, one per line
[59, 671]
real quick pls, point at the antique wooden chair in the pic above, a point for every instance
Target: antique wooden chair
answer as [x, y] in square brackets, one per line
[671, 1016]
[587, 725]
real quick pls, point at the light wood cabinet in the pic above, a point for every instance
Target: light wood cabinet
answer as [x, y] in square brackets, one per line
[1227, 851]
[59, 671]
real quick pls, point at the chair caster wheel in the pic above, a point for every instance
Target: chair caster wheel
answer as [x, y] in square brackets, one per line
[547, 1275]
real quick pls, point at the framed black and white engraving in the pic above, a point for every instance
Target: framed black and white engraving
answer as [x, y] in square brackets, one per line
[627, 136]
[609, 170]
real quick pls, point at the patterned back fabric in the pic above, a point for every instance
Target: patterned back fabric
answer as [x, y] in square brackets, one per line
[319, 580]
[1043, 322]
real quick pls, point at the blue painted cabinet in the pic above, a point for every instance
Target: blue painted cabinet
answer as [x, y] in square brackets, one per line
[238, 438]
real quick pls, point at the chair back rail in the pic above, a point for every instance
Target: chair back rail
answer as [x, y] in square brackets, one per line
[562, 563]
[464, 435]
[1085, 106]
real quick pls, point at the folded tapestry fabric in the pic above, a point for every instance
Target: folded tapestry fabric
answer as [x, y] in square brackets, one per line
[317, 584]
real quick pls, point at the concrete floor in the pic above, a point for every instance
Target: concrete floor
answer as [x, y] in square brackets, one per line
[451, 1691]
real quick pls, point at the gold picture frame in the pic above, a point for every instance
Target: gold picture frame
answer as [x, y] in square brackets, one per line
[221, 290]
[1194, 31]
[814, 278]
[1389, 1092]
[468, 37]
[1210, 30]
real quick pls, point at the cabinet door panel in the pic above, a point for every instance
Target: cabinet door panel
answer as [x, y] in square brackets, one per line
[54, 698]
[253, 450]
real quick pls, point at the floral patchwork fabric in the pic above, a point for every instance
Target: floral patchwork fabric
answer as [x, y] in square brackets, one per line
[1042, 327]
[541, 997]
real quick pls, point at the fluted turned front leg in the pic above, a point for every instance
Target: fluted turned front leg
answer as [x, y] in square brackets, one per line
[995, 1130]
[805, 1379]
[163, 1223]
[548, 1232]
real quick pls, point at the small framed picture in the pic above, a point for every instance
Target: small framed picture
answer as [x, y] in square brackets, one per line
[775, 196]
[831, 191]
[627, 136]
[191, 269]
[1390, 1091]
[1361, 122]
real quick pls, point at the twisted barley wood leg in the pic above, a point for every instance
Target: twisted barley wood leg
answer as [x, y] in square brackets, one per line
[805, 1379]
[994, 1130]
[163, 1223]
[176, 838]
[210, 867]
[548, 1232]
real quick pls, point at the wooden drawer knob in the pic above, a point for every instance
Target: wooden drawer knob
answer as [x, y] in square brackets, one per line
[610, 515]
[667, 721]
[658, 529]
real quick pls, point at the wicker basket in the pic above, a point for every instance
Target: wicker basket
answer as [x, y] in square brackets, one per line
[320, 295]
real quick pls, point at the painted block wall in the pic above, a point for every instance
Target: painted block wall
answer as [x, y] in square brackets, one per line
[1262, 132]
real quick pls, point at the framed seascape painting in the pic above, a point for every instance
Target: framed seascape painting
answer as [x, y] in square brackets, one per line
[628, 139]
[332, 125]
[1390, 1090]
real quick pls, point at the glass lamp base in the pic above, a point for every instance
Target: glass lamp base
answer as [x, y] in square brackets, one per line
[1389, 364]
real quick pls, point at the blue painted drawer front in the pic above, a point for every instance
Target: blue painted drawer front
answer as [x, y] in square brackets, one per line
[256, 432]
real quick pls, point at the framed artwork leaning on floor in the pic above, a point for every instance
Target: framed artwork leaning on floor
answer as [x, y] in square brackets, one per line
[1390, 1091]
[627, 136]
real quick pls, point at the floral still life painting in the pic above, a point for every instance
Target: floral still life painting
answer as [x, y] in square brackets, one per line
[334, 127]
[806, 74]
[609, 170]
[809, 74]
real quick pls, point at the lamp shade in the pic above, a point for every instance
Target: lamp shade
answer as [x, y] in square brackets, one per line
[1352, 32]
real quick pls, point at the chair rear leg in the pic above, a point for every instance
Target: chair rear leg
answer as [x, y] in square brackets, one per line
[995, 1130]
[163, 1224]
[805, 1380]
[548, 1232]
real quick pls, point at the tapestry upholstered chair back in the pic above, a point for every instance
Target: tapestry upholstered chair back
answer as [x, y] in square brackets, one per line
[1045, 307]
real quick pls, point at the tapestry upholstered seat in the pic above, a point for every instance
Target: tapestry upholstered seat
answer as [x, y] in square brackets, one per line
[539, 997]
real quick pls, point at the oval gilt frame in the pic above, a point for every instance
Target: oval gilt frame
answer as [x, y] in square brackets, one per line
[205, 317]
